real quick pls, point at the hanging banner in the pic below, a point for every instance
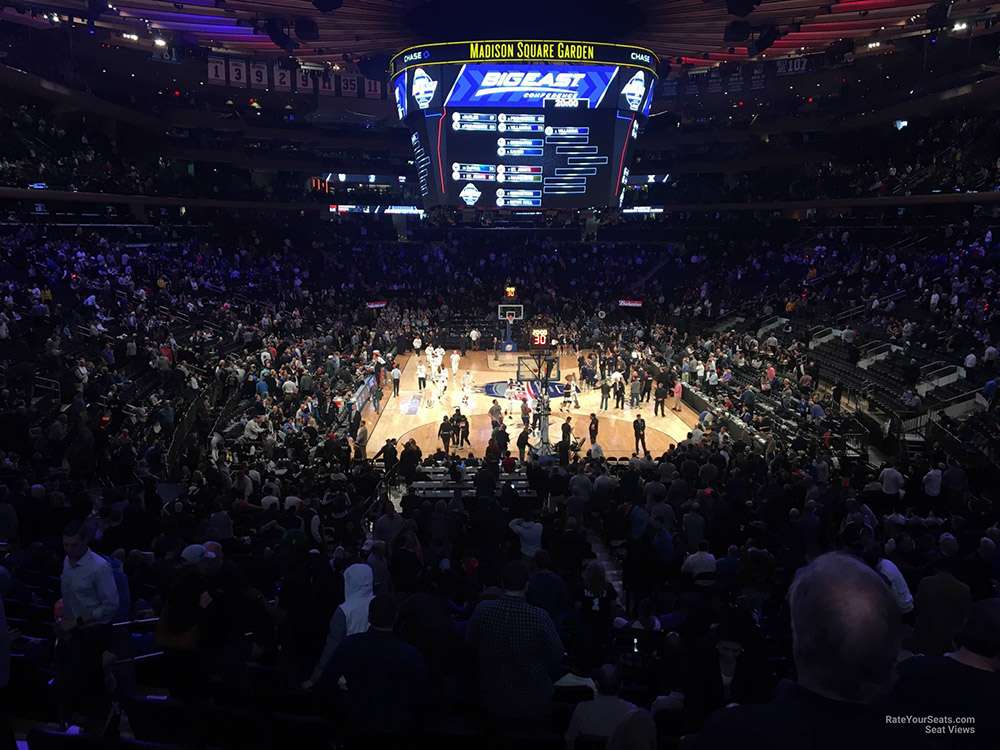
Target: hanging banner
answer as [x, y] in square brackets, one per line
[792, 66]
[373, 88]
[349, 86]
[216, 75]
[304, 82]
[282, 78]
[258, 75]
[238, 73]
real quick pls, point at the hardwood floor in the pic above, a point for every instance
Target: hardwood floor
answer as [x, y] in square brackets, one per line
[408, 416]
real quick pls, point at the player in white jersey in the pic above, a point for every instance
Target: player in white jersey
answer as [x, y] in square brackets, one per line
[513, 396]
[440, 386]
[467, 388]
[455, 358]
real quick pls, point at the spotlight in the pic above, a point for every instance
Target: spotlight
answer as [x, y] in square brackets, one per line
[159, 42]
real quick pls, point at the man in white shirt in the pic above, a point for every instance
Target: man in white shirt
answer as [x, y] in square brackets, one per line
[892, 481]
[254, 428]
[417, 343]
[897, 584]
[455, 357]
[970, 361]
[90, 603]
[396, 375]
[529, 532]
[421, 376]
[290, 389]
[474, 338]
[89, 594]
[932, 482]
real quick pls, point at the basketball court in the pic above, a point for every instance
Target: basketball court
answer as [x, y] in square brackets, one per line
[410, 416]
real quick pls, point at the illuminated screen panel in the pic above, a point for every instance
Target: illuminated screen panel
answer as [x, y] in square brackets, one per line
[523, 135]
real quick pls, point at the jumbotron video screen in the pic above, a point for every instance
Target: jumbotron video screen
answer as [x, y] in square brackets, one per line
[523, 124]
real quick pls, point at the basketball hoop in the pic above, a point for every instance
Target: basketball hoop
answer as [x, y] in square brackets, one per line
[511, 317]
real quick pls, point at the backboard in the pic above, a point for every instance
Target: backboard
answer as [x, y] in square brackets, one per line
[531, 369]
[502, 311]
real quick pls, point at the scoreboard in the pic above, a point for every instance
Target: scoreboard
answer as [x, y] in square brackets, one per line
[528, 124]
[539, 338]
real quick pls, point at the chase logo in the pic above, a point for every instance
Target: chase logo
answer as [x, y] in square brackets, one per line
[639, 57]
[634, 90]
[470, 194]
[423, 88]
[415, 56]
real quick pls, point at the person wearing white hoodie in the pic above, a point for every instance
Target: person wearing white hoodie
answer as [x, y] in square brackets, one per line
[350, 618]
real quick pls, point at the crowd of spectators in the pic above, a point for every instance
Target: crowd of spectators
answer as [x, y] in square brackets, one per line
[181, 428]
[80, 154]
[934, 155]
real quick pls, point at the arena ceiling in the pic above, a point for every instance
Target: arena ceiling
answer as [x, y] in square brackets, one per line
[680, 31]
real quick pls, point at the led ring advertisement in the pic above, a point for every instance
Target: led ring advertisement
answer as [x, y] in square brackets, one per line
[523, 135]
[524, 50]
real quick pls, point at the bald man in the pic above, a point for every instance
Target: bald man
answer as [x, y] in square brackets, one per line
[845, 641]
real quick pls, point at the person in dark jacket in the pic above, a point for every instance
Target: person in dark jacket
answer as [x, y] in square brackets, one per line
[444, 432]
[386, 678]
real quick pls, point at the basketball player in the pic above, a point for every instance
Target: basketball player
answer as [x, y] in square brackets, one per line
[455, 357]
[421, 376]
[466, 388]
[567, 399]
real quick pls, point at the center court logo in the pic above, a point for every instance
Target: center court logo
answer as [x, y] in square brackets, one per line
[424, 88]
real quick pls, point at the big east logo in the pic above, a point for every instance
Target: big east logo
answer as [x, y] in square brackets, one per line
[533, 83]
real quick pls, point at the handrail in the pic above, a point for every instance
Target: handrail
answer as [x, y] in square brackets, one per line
[143, 621]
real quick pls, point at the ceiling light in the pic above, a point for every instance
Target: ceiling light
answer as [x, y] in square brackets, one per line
[160, 42]
[960, 26]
